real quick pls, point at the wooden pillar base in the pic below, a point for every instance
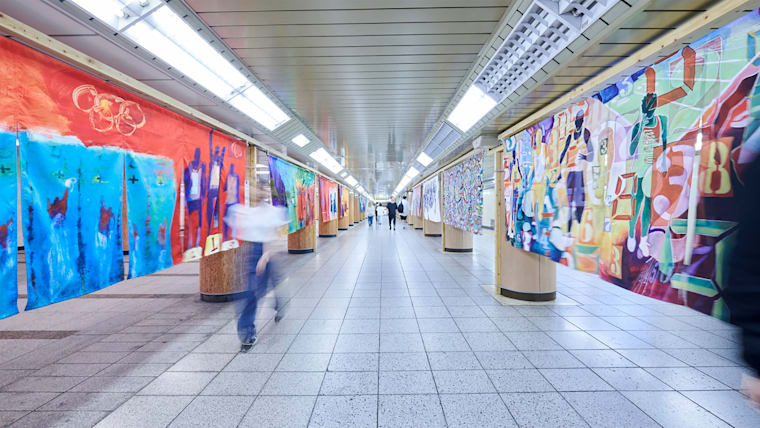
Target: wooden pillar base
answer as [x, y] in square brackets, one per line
[328, 229]
[223, 275]
[430, 228]
[303, 241]
[456, 240]
[526, 276]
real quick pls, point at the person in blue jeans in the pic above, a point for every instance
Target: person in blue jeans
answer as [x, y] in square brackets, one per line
[370, 215]
[258, 228]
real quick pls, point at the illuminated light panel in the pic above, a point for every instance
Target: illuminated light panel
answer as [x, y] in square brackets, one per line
[471, 108]
[321, 156]
[424, 159]
[300, 140]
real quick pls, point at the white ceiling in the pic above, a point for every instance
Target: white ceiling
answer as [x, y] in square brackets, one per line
[371, 78]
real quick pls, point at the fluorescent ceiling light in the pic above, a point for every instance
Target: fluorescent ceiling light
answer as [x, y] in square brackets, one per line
[321, 156]
[471, 108]
[344, 174]
[167, 36]
[351, 181]
[300, 140]
[412, 173]
[424, 159]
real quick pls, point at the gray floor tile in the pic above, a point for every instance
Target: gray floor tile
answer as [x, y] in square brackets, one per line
[399, 325]
[631, 379]
[602, 358]
[254, 363]
[591, 323]
[407, 382]
[353, 362]
[519, 380]
[206, 411]
[731, 376]
[65, 370]
[475, 325]
[553, 323]
[178, 383]
[608, 409]
[304, 363]
[575, 380]
[671, 409]
[357, 343]
[730, 406]
[271, 344]
[357, 326]
[43, 384]
[453, 361]
[345, 411]
[437, 342]
[60, 419]
[410, 411]
[532, 341]
[349, 383]
[89, 401]
[539, 410]
[437, 325]
[396, 361]
[462, 382]
[313, 343]
[279, 411]
[432, 312]
[113, 384]
[651, 358]
[202, 363]
[502, 360]
[16, 401]
[236, 383]
[576, 340]
[464, 311]
[515, 324]
[401, 342]
[141, 412]
[476, 410]
[8, 417]
[488, 341]
[700, 358]
[293, 383]
[553, 359]
[686, 379]
[321, 327]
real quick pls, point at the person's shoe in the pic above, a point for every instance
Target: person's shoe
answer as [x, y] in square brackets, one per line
[251, 341]
[278, 316]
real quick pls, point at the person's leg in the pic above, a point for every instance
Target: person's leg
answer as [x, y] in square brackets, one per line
[246, 327]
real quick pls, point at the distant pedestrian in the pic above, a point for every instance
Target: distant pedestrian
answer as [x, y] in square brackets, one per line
[402, 211]
[392, 208]
[370, 215]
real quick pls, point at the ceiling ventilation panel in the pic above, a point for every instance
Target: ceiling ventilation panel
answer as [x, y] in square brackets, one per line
[547, 27]
[442, 140]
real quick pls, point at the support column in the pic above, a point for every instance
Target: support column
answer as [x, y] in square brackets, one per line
[456, 240]
[431, 228]
[223, 275]
[305, 240]
[328, 229]
[519, 274]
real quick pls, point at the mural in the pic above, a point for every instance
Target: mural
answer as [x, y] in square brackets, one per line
[8, 225]
[417, 201]
[431, 200]
[343, 199]
[362, 205]
[293, 188]
[151, 191]
[463, 194]
[604, 186]
[328, 199]
[83, 145]
[71, 217]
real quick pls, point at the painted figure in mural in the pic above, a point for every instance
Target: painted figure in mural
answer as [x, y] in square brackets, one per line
[578, 151]
[57, 209]
[4, 233]
[232, 192]
[650, 132]
[216, 164]
[104, 224]
[195, 190]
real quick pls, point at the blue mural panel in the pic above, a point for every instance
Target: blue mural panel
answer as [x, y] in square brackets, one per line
[8, 241]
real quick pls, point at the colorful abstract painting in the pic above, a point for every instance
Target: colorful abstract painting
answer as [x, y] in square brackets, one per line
[71, 199]
[292, 188]
[431, 200]
[74, 133]
[463, 194]
[8, 225]
[343, 199]
[417, 201]
[151, 197]
[604, 186]
[328, 199]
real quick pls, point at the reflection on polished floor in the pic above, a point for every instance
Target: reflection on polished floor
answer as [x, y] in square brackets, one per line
[381, 329]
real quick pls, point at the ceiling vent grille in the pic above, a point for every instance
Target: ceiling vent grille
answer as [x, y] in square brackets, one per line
[442, 140]
[547, 28]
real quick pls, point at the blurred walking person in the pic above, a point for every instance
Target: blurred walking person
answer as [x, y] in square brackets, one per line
[370, 215]
[742, 294]
[258, 229]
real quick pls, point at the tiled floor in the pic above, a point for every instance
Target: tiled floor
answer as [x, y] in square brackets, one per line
[382, 329]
